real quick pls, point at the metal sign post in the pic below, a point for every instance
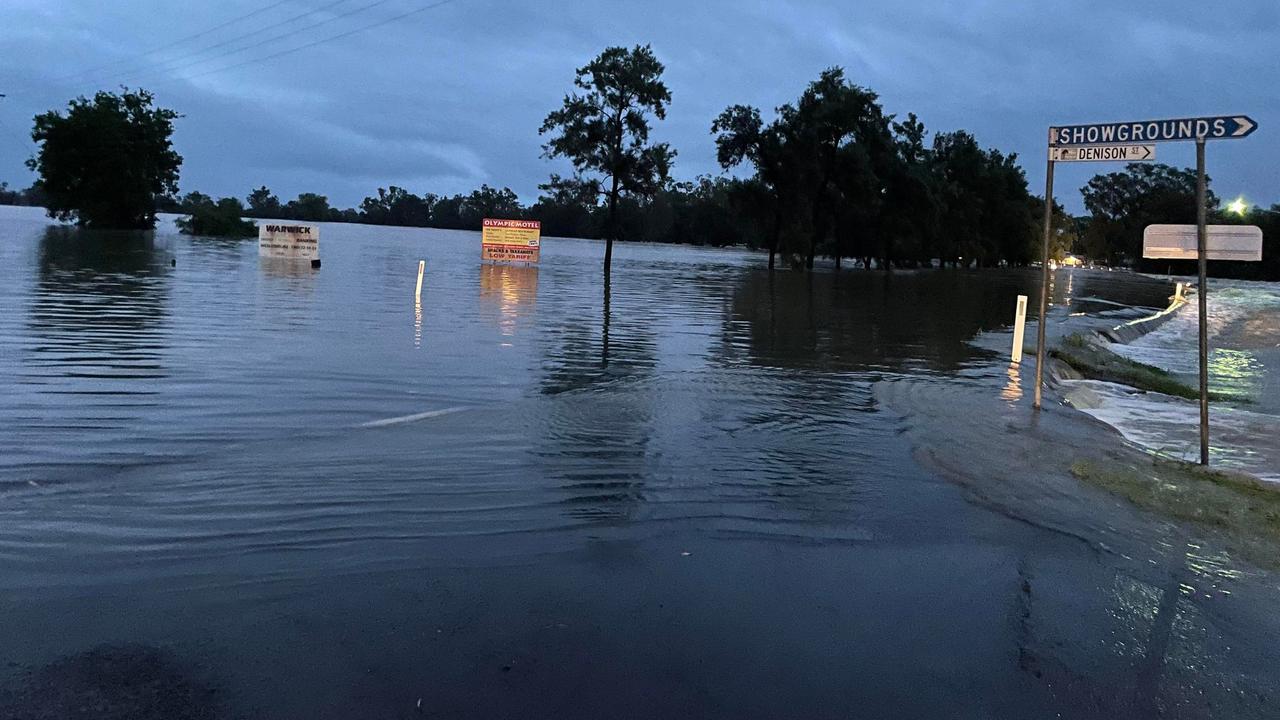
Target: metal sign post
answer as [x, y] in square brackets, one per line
[1202, 294]
[1044, 277]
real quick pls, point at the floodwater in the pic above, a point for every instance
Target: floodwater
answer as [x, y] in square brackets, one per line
[699, 492]
[1243, 328]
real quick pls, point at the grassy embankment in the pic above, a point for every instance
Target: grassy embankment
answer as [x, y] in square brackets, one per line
[1243, 507]
[1094, 361]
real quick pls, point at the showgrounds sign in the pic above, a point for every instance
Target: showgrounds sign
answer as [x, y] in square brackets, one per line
[290, 242]
[1210, 128]
[1100, 142]
[510, 240]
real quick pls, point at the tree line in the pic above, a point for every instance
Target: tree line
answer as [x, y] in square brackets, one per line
[830, 174]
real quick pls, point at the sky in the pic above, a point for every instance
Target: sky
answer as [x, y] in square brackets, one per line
[444, 96]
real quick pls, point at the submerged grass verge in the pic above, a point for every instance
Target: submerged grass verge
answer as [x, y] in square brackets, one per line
[1246, 508]
[1094, 361]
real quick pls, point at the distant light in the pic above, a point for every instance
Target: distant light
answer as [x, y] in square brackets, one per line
[1238, 206]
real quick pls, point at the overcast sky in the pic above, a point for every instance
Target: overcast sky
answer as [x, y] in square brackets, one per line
[450, 97]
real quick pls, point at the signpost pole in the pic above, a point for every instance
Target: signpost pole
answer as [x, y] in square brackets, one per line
[1202, 293]
[1044, 279]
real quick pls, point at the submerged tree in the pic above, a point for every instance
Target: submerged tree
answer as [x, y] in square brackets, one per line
[605, 130]
[217, 219]
[742, 136]
[106, 161]
[263, 203]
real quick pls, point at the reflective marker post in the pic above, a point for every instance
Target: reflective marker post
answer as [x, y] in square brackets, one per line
[1202, 292]
[1019, 327]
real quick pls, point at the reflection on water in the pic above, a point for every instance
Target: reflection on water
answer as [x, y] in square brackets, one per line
[600, 420]
[868, 320]
[99, 306]
[299, 273]
[511, 291]
[417, 323]
[1012, 391]
[94, 347]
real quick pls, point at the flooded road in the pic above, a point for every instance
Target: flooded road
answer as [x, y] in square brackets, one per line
[700, 492]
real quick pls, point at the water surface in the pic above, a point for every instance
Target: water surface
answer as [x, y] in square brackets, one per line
[695, 492]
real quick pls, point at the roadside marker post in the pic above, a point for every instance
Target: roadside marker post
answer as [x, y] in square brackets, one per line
[1019, 327]
[1068, 143]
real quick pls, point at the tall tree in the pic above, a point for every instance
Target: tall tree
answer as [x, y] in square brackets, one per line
[397, 206]
[909, 219]
[308, 206]
[605, 130]
[105, 162]
[489, 202]
[262, 203]
[742, 136]
[842, 140]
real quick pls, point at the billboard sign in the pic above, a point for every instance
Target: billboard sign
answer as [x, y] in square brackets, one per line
[510, 240]
[290, 242]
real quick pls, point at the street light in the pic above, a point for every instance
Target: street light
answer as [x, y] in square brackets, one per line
[1242, 208]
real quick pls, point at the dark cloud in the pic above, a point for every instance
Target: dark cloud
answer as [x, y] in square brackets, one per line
[452, 97]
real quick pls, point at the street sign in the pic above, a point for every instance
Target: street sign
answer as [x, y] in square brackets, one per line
[1222, 127]
[1103, 153]
[1223, 242]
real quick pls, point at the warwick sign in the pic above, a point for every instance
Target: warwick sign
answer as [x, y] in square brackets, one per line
[1222, 127]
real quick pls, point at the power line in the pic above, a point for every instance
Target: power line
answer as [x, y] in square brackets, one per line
[137, 70]
[172, 44]
[331, 38]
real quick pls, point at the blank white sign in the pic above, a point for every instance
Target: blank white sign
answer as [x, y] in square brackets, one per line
[1224, 242]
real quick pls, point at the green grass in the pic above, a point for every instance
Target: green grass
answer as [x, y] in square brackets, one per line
[1245, 508]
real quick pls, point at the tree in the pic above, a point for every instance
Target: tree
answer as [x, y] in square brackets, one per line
[308, 206]
[1122, 204]
[910, 216]
[263, 204]
[106, 160]
[193, 201]
[489, 202]
[742, 136]
[220, 219]
[30, 196]
[985, 205]
[841, 143]
[397, 206]
[567, 207]
[605, 130]
[1065, 235]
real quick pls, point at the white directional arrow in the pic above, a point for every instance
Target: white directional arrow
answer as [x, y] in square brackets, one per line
[1245, 126]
